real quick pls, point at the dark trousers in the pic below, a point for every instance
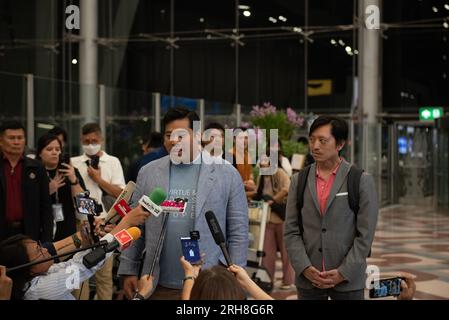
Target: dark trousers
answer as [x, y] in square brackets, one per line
[163, 293]
[325, 294]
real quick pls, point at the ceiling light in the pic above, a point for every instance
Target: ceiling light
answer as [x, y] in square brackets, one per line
[243, 7]
[435, 9]
[341, 42]
[247, 13]
[283, 19]
[74, 61]
[333, 42]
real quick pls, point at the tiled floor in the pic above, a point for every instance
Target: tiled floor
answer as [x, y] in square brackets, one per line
[408, 238]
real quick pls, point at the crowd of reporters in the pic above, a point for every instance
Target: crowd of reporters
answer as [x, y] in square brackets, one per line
[39, 219]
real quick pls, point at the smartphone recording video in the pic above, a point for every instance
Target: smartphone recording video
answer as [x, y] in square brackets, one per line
[387, 288]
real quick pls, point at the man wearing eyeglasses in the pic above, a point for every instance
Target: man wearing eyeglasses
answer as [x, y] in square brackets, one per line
[327, 240]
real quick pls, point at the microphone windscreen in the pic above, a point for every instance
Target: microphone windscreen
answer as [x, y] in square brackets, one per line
[214, 227]
[134, 232]
[158, 196]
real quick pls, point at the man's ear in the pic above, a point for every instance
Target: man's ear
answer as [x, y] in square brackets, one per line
[341, 145]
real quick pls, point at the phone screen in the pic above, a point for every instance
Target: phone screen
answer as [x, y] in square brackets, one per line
[85, 205]
[191, 250]
[386, 288]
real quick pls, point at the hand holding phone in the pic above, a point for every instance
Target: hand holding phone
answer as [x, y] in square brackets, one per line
[63, 158]
[191, 250]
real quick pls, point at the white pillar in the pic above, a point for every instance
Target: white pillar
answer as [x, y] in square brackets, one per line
[369, 58]
[88, 56]
[370, 88]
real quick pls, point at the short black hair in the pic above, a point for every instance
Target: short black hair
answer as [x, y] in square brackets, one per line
[59, 131]
[13, 253]
[339, 127]
[44, 141]
[215, 125]
[91, 127]
[154, 140]
[11, 125]
[178, 113]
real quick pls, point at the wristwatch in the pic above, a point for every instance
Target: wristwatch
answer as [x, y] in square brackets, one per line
[189, 278]
[138, 296]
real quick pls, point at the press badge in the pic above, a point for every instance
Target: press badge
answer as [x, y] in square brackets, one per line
[58, 214]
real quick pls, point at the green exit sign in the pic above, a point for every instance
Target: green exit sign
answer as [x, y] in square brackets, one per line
[430, 113]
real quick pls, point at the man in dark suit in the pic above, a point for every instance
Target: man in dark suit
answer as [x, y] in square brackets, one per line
[25, 205]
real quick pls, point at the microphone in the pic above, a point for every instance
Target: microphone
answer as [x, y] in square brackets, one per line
[152, 203]
[116, 212]
[217, 234]
[30, 264]
[122, 240]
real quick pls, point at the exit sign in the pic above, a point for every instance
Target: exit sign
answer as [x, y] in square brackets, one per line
[430, 113]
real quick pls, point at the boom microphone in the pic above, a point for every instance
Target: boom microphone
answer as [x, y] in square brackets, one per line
[217, 234]
[30, 264]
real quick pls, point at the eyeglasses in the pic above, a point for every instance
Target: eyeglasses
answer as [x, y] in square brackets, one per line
[39, 251]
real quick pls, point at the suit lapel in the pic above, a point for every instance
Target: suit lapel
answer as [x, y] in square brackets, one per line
[311, 183]
[161, 174]
[205, 185]
[338, 182]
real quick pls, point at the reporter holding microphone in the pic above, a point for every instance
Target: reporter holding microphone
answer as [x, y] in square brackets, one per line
[47, 280]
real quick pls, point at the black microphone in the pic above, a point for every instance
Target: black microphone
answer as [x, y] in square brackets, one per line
[219, 238]
[30, 264]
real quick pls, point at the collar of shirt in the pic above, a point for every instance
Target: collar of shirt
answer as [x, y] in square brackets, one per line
[334, 172]
[6, 160]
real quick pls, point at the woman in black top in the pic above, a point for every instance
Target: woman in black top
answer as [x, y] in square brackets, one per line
[65, 183]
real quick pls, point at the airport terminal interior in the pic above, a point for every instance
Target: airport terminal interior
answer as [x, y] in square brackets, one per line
[382, 65]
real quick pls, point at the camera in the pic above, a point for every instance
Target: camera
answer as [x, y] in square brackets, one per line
[87, 205]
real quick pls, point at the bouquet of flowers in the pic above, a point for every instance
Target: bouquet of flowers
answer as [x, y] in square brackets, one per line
[269, 117]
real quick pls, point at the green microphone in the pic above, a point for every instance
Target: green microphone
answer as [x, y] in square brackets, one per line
[152, 203]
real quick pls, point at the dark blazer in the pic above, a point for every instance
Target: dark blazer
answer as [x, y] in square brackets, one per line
[38, 216]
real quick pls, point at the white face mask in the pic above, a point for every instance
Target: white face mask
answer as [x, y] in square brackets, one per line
[91, 149]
